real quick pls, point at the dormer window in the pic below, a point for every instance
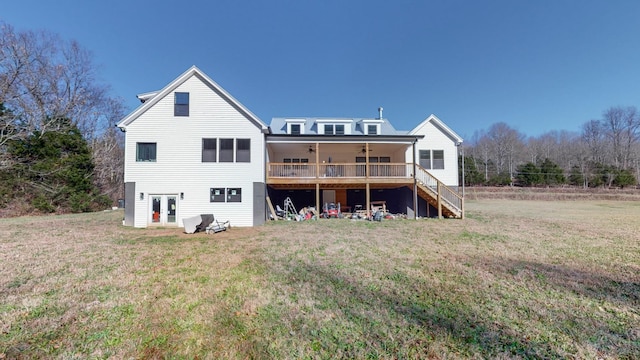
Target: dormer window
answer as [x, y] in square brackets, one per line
[334, 129]
[334, 126]
[295, 126]
[371, 126]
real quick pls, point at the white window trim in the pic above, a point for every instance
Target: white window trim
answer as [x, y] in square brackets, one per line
[322, 122]
[296, 122]
[367, 122]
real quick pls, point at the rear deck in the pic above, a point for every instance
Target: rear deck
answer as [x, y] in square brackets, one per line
[367, 176]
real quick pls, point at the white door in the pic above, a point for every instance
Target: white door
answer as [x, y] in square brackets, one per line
[163, 209]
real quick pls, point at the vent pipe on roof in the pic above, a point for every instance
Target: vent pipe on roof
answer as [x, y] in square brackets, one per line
[380, 112]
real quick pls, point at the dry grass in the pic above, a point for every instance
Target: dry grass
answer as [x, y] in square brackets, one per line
[516, 279]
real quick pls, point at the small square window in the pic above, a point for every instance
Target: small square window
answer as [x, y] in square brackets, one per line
[328, 129]
[209, 150]
[372, 129]
[234, 195]
[339, 129]
[181, 104]
[145, 151]
[216, 195]
[294, 129]
[226, 150]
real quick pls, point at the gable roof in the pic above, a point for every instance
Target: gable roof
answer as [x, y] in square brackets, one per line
[440, 125]
[151, 98]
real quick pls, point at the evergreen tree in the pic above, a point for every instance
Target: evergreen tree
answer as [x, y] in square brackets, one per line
[54, 170]
[552, 174]
[472, 175]
[528, 174]
[624, 178]
[575, 177]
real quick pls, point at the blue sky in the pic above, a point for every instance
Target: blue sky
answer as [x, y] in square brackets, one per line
[535, 65]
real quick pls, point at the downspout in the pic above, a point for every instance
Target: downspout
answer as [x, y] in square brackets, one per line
[415, 182]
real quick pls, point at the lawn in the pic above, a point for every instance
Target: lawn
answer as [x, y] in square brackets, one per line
[515, 279]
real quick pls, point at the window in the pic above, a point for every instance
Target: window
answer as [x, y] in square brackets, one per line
[209, 150]
[432, 159]
[334, 129]
[243, 150]
[295, 126]
[295, 161]
[234, 195]
[372, 129]
[438, 159]
[226, 150]
[145, 151]
[181, 104]
[425, 159]
[217, 195]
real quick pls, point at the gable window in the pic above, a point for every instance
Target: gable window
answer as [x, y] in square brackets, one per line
[438, 159]
[209, 150]
[243, 150]
[226, 150]
[328, 129]
[372, 129]
[181, 104]
[294, 129]
[145, 151]
[425, 159]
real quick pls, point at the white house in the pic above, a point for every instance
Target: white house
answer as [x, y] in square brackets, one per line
[191, 149]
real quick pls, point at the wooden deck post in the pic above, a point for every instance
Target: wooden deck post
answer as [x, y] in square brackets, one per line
[368, 196]
[439, 201]
[415, 186]
[318, 208]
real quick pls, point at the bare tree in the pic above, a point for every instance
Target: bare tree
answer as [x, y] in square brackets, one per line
[505, 143]
[593, 137]
[44, 79]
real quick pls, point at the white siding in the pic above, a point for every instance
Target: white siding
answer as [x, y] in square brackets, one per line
[179, 167]
[436, 139]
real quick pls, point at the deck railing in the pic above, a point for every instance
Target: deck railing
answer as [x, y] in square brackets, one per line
[454, 201]
[338, 170]
[436, 189]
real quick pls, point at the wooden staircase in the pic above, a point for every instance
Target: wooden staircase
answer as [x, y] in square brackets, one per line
[448, 202]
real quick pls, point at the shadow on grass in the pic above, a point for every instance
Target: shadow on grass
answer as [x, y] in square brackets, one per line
[565, 278]
[594, 308]
[404, 322]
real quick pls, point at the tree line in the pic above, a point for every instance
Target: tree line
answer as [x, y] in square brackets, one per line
[59, 150]
[605, 153]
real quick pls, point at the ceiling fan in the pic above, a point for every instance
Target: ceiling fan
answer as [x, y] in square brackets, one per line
[364, 149]
[311, 149]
